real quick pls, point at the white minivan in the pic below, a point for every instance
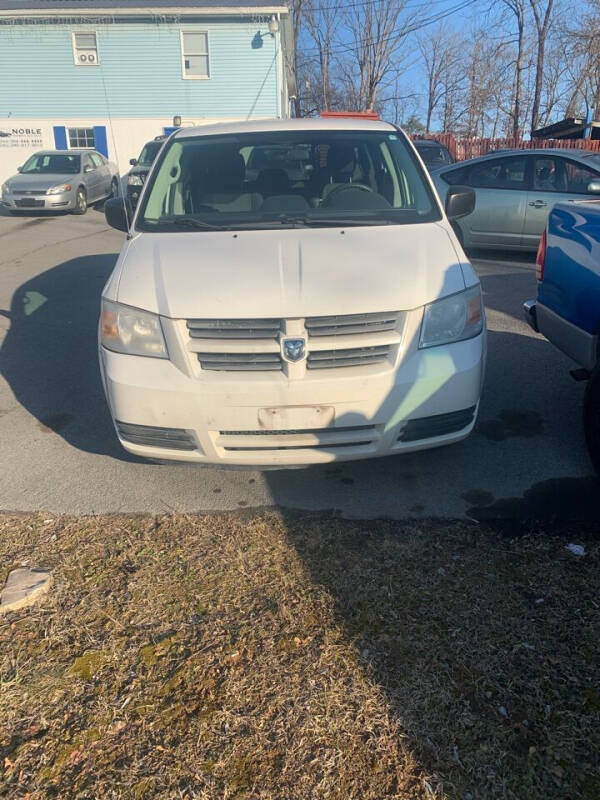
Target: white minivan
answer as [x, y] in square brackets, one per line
[313, 307]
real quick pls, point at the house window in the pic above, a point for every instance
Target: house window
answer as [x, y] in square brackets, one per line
[85, 49]
[194, 54]
[81, 138]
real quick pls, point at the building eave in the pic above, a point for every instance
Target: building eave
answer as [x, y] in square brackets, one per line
[144, 11]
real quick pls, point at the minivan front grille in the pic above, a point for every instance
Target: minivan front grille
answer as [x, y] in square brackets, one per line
[350, 340]
[354, 357]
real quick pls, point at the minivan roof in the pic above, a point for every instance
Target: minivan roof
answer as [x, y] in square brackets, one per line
[267, 125]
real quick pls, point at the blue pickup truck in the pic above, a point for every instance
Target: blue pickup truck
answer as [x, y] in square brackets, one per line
[567, 308]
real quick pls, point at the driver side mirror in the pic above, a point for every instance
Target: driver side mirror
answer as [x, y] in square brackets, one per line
[117, 213]
[133, 162]
[88, 168]
[593, 186]
[19, 169]
[460, 202]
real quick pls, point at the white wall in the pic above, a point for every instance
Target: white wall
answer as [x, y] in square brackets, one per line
[125, 137]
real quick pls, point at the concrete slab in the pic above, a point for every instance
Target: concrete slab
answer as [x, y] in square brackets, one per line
[24, 587]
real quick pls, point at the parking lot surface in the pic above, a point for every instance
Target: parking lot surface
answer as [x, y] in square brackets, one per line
[526, 459]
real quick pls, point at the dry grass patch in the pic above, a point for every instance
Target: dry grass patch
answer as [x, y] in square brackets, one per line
[264, 656]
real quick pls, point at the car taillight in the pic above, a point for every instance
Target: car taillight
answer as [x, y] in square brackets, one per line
[540, 259]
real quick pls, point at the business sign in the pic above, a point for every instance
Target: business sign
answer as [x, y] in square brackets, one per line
[21, 137]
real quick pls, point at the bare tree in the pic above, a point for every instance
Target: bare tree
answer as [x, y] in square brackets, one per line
[439, 51]
[542, 25]
[297, 9]
[376, 34]
[322, 23]
[555, 83]
[517, 8]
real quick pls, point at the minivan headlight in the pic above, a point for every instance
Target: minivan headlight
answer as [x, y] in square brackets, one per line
[452, 319]
[60, 189]
[135, 180]
[130, 330]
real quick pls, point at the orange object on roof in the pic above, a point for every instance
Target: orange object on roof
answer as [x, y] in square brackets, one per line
[358, 114]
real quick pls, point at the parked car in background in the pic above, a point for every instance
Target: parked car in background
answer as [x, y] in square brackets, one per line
[567, 308]
[279, 322]
[141, 167]
[61, 180]
[434, 154]
[515, 191]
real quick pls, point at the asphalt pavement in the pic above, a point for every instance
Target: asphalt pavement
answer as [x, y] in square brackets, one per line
[58, 451]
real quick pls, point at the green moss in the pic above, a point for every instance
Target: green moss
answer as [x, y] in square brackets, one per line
[86, 665]
[239, 775]
[148, 655]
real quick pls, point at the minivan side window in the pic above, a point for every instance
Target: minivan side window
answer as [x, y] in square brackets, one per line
[499, 173]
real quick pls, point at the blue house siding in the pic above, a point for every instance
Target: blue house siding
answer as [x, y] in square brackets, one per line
[140, 72]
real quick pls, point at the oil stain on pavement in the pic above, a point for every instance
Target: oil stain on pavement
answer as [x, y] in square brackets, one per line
[554, 500]
[512, 422]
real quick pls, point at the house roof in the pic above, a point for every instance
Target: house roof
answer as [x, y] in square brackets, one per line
[18, 8]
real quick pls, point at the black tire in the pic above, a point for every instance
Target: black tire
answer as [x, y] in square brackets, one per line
[80, 202]
[591, 417]
[114, 189]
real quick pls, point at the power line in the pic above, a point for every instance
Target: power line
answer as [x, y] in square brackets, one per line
[410, 29]
[360, 3]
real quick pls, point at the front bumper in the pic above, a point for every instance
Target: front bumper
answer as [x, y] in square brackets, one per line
[225, 419]
[39, 202]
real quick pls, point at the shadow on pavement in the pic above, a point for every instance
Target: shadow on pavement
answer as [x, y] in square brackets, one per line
[49, 355]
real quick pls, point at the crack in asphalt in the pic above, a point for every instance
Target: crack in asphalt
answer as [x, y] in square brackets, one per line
[53, 244]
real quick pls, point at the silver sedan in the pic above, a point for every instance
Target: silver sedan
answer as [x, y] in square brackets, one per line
[515, 190]
[61, 180]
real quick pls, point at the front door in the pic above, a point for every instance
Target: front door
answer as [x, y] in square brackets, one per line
[553, 180]
[92, 179]
[501, 190]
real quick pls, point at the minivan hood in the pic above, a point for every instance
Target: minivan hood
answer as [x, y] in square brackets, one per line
[289, 273]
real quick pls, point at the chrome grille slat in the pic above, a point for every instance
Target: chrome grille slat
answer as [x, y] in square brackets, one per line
[238, 362]
[233, 328]
[354, 357]
[347, 324]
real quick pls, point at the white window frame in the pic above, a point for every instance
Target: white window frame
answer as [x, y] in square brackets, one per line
[183, 55]
[76, 49]
[80, 128]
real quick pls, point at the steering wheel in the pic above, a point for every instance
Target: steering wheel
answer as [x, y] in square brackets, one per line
[346, 187]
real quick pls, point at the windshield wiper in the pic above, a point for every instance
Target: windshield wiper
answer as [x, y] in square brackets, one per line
[332, 221]
[192, 222]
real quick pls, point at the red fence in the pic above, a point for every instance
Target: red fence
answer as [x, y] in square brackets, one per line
[462, 149]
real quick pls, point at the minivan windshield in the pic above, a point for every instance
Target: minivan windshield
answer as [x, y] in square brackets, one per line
[51, 164]
[294, 178]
